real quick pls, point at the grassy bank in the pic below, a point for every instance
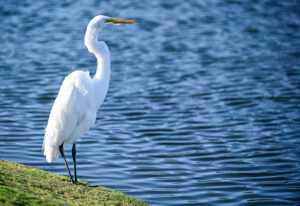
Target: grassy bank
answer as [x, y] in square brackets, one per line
[24, 185]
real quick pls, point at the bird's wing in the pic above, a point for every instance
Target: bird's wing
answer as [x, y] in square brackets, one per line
[68, 109]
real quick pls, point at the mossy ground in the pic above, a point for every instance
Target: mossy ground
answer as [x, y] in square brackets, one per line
[53, 186]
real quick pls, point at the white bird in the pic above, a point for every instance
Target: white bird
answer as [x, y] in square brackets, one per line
[80, 96]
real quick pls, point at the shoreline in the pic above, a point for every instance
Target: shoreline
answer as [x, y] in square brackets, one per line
[22, 184]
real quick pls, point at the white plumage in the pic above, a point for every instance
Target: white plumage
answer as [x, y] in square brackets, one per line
[80, 96]
[72, 114]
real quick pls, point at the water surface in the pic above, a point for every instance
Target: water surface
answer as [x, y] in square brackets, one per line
[203, 105]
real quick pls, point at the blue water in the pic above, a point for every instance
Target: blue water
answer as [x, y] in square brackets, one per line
[203, 106]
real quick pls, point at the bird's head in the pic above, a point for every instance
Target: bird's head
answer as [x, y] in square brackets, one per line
[97, 24]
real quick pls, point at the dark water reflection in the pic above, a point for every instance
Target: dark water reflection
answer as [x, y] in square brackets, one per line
[203, 106]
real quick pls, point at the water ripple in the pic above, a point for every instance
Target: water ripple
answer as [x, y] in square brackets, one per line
[203, 105]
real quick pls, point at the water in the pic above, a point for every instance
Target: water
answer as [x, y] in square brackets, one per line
[203, 106]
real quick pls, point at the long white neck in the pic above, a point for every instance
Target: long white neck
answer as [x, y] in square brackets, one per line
[103, 62]
[100, 50]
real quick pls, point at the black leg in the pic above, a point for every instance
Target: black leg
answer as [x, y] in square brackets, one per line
[61, 150]
[74, 160]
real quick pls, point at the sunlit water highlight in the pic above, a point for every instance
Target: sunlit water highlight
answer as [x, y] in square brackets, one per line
[203, 106]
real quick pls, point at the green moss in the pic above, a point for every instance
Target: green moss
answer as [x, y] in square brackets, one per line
[15, 196]
[53, 186]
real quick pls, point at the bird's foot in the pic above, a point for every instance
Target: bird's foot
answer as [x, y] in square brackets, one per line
[76, 182]
[72, 181]
[85, 184]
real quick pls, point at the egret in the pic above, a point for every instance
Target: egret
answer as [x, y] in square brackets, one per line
[79, 97]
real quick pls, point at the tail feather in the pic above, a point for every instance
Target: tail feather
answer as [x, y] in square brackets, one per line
[50, 153]
[50, 147]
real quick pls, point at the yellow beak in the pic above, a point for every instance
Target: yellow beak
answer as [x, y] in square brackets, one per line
[120, 21]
